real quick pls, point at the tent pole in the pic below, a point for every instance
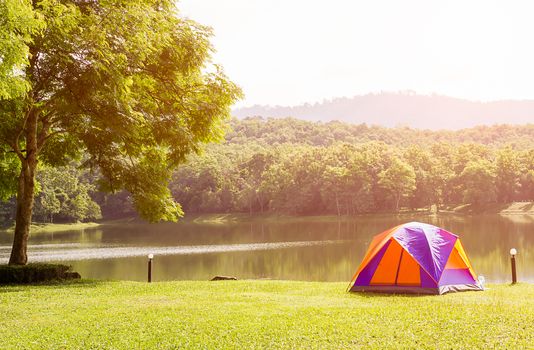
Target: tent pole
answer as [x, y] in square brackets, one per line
[348, 287]
[398, 267]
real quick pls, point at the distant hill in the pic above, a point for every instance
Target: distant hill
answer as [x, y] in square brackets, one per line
[404, 109]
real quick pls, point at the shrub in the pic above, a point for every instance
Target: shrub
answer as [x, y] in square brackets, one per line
[35, 273]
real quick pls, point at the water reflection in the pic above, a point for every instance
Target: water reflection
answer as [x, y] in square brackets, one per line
[75, 252]
[302, 249]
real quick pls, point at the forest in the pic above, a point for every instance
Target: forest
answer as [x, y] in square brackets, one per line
[294, 167]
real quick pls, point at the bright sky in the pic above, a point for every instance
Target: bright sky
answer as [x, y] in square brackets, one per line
[287, 52]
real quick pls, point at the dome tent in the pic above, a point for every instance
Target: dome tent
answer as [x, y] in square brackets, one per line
[415, 258]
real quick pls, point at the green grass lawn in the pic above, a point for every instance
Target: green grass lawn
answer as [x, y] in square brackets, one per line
[259, 314]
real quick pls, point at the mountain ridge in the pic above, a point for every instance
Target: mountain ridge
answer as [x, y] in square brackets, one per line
[432, 112]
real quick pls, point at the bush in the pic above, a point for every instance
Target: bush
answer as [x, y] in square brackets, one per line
[35, 273]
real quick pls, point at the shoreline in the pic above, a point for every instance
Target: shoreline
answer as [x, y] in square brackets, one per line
[511, 210]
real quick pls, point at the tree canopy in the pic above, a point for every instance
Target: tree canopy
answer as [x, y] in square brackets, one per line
[127, 83]
[292, 166]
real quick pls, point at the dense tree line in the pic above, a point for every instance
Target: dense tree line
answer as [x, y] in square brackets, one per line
[298, 167]
[294, 131]
[291, 166]
[347, 179]
[63, 194]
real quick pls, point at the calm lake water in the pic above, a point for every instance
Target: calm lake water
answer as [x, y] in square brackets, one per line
[311, 249]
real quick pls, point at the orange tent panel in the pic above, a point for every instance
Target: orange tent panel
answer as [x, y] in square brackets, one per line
[459, 247]
[455, 261]
[376, 244]
[386, 272]
[409, 271]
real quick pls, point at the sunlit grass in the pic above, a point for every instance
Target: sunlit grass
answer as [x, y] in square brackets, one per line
[259, 314]
[37, 228]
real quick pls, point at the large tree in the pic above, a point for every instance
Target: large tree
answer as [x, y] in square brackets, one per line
[398, 179]
[127, 83]
[478, 180]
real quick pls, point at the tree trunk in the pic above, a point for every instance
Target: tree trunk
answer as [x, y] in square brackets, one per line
[260, 201]
[250, 204]
[25, 196]
[337, 205]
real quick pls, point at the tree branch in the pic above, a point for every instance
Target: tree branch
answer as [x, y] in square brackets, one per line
[15, 149]
[42, 139]
[20, 131]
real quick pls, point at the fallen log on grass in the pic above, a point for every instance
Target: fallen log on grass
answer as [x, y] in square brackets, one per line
[223, 278]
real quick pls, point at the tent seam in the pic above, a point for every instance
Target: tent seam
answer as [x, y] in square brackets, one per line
[413, 257]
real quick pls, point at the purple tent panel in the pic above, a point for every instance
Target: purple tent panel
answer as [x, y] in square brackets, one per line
[456, 276]
[365, 276]
[430, 246]
[426, 280]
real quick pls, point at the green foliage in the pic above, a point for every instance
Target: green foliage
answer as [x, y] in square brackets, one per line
[508, 171]
[258, 315]
[123, 83]
[65, 193]
[273, 131]
[398, 179]
[284, 166]
[299, 177]
[18, 24]
[126, 96]
[478, 179]
[9, 171]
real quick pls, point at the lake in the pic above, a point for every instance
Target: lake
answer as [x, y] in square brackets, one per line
[311, 249]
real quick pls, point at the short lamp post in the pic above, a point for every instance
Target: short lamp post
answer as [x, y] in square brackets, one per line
[513, 253]
[150, 257]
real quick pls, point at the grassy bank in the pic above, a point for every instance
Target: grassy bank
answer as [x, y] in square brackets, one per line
[519, 209]
[228, 218]
[259, 314]
[37, 228]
